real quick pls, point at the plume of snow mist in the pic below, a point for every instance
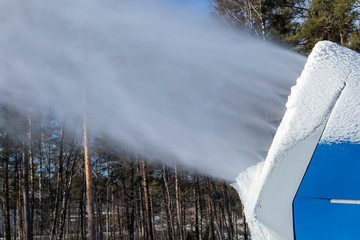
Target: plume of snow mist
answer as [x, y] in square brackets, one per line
[160, 80]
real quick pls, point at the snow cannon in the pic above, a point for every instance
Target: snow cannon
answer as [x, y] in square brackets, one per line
[309, 185]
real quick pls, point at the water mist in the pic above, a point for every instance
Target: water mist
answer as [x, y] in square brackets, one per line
[160, 80]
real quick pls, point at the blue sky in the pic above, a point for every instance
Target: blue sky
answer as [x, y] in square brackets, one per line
[198, 5]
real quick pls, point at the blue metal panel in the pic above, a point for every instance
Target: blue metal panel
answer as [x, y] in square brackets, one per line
[333, 173]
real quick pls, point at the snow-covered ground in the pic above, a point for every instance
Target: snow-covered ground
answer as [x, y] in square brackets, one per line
[323, 104]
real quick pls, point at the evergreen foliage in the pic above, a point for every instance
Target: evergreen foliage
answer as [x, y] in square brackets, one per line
[331, 20]
[298, 23]
[281, 17]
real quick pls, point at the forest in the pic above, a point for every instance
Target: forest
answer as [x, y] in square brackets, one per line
[59, 181]
[298, 24]
[44, 189]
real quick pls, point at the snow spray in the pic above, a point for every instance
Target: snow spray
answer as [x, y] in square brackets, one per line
[162, 80]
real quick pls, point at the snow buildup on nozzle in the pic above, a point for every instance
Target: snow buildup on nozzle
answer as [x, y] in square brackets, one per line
[324, 103]
[160, 80]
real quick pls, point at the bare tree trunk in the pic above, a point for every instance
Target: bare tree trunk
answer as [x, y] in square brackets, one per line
[167, 201]
[341, 38]
[152, 214]
[32, 169]
[49, 173]
[99, 219]
[227, 207]
[66, 193]
[245, 224]
[147, 203]
[59, 185]
[213, 207]
[108, 201]
[122, 229]
[177, 199]
[98, 205]
[68, 231]
[236, 227]
[132, 200]
[15, 216]
[89, 184]
[6, 189]
[262, 23]
[212, 227]
[201, 209]
[221, 221]
[196, 202]
[119, 222]
[19, 174]
[113, 212]
[41, 157]
[141, 207]
[126, 206]
[81, 207]
[26, 198]
[183, 215]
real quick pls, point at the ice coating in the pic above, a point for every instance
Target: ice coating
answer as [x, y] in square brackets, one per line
[326, 95]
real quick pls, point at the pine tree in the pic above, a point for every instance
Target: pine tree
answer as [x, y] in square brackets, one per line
[88, 177]
[331, 20]
[282, 17]
[266, 19]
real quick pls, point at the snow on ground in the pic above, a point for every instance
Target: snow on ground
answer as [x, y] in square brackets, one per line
[326, 92]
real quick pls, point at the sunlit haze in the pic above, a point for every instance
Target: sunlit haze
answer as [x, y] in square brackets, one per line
[160, 80]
